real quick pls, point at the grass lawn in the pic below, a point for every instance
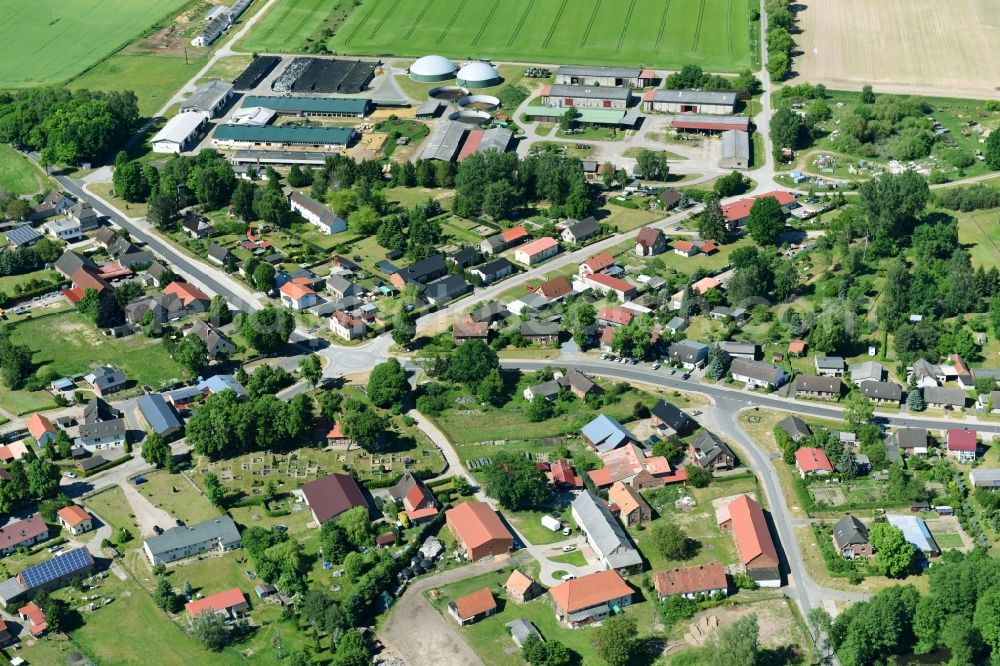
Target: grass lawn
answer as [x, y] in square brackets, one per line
[132, 628]
[69, 344]
[9, 282]
[529, 523]
[18, 176]
[408, 197]
[175, 495]
[699, 523]
[42, 42]
[24, 402]
[228, 68]
[490, 639]
[627, 219]
[980, 233]
[209, 575]
[113, 509]
[948, 540]
[714, 35]
[103, 190]
[153, 77]
[575, 558]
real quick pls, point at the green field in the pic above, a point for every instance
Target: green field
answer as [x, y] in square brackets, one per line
[712, 33]
[69, 344]
[18, 176]
[154, 78]
[51, 41]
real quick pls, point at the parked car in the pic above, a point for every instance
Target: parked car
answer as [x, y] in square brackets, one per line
[656, 366]
[568, 576]
[569, 549]
[69, 475]
[157, 529]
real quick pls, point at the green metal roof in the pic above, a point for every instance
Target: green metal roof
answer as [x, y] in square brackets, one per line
[595, 116]
[307, 104]
[284, 134]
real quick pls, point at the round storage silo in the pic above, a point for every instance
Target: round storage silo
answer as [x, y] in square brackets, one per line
[478, 75]
[432, 68]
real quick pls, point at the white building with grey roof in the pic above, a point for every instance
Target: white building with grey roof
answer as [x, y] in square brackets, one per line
[690, 101]
[585, 75]
[209, 98]
[735, 150]
[444, 142]
[588, 97]
[219, 534]
[604, 533]
[180, 133]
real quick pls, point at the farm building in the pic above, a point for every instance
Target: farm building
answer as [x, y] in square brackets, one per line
[268, 136]
[588, 116]
[432, 68]
[915, 531]
[256, 71]
[478, 74]
[477, 141]
[209, 98]
[735, 150]
[337, 107]
[594, 97]
[444, 142]
[709, 124]
[179, 133]
[575, 75]
[689, 101]
[758, 555]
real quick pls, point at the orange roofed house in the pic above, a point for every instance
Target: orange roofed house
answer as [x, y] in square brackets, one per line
[418, 502]
[75, 518]
[758, 555]
[191, 297]
[476, 526]
[691, 581]
[630, 465]
[591, 598]
[297, 296]
[34, 618]
[230, 603]
[521, 588]
[536, 251]
[41, 429]
[473, 607]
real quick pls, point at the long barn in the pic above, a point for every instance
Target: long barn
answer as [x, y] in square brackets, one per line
[689, 101]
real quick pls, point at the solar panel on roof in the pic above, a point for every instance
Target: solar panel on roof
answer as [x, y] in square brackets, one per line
[61, 565]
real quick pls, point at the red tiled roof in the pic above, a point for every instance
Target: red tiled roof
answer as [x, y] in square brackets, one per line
[647, 74]
[647, 236]
[690, 580]
[546, 90]
[610, 282]
[796, 346]
[518, 582]
[684, 246]
[750, 530]
[562, 472]
[475, 604]
[472, 141]
[335, 432]
[22, 530]
[708, 247]
[961, 440]
[33, 614]
[649, 95]
[600, 261]
[615, 315]
[38, 425]
[186, 292]
[810, 459]
[476, 523]
[216, 602]
[590, 590]
[705, 284]
[73, 515]
[333, 495]
[470, 329]
[84, 279]
[737, 210]
[415, 499]
[295, 291]
[557, 287]
[539, 245]
[513, 234]
[626, 498]
[720, 124]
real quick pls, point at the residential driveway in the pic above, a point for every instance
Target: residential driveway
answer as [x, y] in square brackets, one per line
[420, 634]
[146, 515]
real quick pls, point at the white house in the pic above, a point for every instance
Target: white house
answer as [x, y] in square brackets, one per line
[65, 230]
[756, 374]
[316, 213]
[347, 326]
[180, 133]
[297, 296]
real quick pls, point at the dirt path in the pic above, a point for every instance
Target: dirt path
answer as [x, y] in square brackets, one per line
[146, 515]
[421, 635]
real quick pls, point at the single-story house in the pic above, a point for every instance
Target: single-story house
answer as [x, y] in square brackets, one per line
[810, 461]
[473, 607]
[813, 386]
[690, 582]
[75, 518]
[829, 366]
[231, 604]
[577, 231]
[795, 427]
[591, 598]
[689, 353]
[756, 374]
[911, 440]
[536, 251]
[881, 392]
[944, 398]
[540, 332]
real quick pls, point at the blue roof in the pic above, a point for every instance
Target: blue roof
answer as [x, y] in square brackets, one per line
[915, 531]
[23, 235]
[64, 384]
[220, 383]
[61, 565]
[158, 413]
[606, 433]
